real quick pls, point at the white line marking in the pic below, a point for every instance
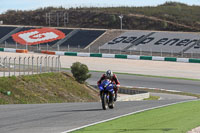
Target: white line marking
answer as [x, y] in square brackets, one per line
[126, 115]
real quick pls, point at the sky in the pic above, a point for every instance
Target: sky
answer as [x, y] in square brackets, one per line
[34, 4]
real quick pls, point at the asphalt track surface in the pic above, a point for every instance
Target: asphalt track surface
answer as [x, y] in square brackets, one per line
[57, 118]
[190, 86]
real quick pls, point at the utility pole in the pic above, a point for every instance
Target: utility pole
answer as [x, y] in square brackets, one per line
[121, 17]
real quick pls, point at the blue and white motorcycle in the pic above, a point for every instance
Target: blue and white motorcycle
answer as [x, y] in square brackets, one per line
[107, 94]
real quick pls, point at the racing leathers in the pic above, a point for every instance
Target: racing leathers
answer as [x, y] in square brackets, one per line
[114, 80]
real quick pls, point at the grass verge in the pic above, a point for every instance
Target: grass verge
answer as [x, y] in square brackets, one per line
[44, 88]
[178, 118]
[152, 98]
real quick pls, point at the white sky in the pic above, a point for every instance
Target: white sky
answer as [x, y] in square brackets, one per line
[34, 4]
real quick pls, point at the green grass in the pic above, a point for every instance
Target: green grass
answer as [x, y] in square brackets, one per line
[178, 118]
[152, 98]
[44, 88]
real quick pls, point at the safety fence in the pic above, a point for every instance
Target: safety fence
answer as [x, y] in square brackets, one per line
[27, 65]
[123, 56]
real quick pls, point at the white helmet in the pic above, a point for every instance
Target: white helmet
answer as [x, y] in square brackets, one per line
[109, 74]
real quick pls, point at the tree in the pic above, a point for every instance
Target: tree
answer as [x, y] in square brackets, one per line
[80, 72]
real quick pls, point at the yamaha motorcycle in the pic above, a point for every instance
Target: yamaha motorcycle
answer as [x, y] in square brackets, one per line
[107, 94]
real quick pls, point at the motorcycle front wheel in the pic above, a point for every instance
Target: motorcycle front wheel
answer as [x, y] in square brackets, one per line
[104, 101]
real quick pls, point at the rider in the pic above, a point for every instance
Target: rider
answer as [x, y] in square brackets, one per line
[110, 75]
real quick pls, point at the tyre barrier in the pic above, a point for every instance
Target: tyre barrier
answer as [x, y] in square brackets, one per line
[122, 56]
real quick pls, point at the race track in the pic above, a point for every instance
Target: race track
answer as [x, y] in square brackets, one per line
[190, 86]
[57, 118]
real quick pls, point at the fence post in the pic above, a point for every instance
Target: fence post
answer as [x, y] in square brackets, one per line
[19, 65]
[24, 65]
[4, 71]
[56, 63]
[14, 65]
[9, 66]
[99, 49]
[5, 44]
[52, 63]
[48, 62]
[41, 64]
[45, 63]
[16, 44]
[37, 63]
[59, 63]
[58, 47]
[28, 64]
[32, 64]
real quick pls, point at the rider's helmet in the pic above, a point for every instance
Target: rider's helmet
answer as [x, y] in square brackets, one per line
[109, 74]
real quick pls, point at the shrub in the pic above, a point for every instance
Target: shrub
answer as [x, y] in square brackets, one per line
[80, 72]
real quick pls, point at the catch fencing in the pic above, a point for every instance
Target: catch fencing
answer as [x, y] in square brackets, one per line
[28, 65]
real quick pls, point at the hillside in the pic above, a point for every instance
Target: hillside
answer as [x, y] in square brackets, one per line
[44, 88]
[171, 16]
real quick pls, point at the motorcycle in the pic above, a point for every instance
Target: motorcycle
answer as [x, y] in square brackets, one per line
[107, 94]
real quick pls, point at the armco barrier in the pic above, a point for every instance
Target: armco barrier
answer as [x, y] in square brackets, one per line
[122, 56]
